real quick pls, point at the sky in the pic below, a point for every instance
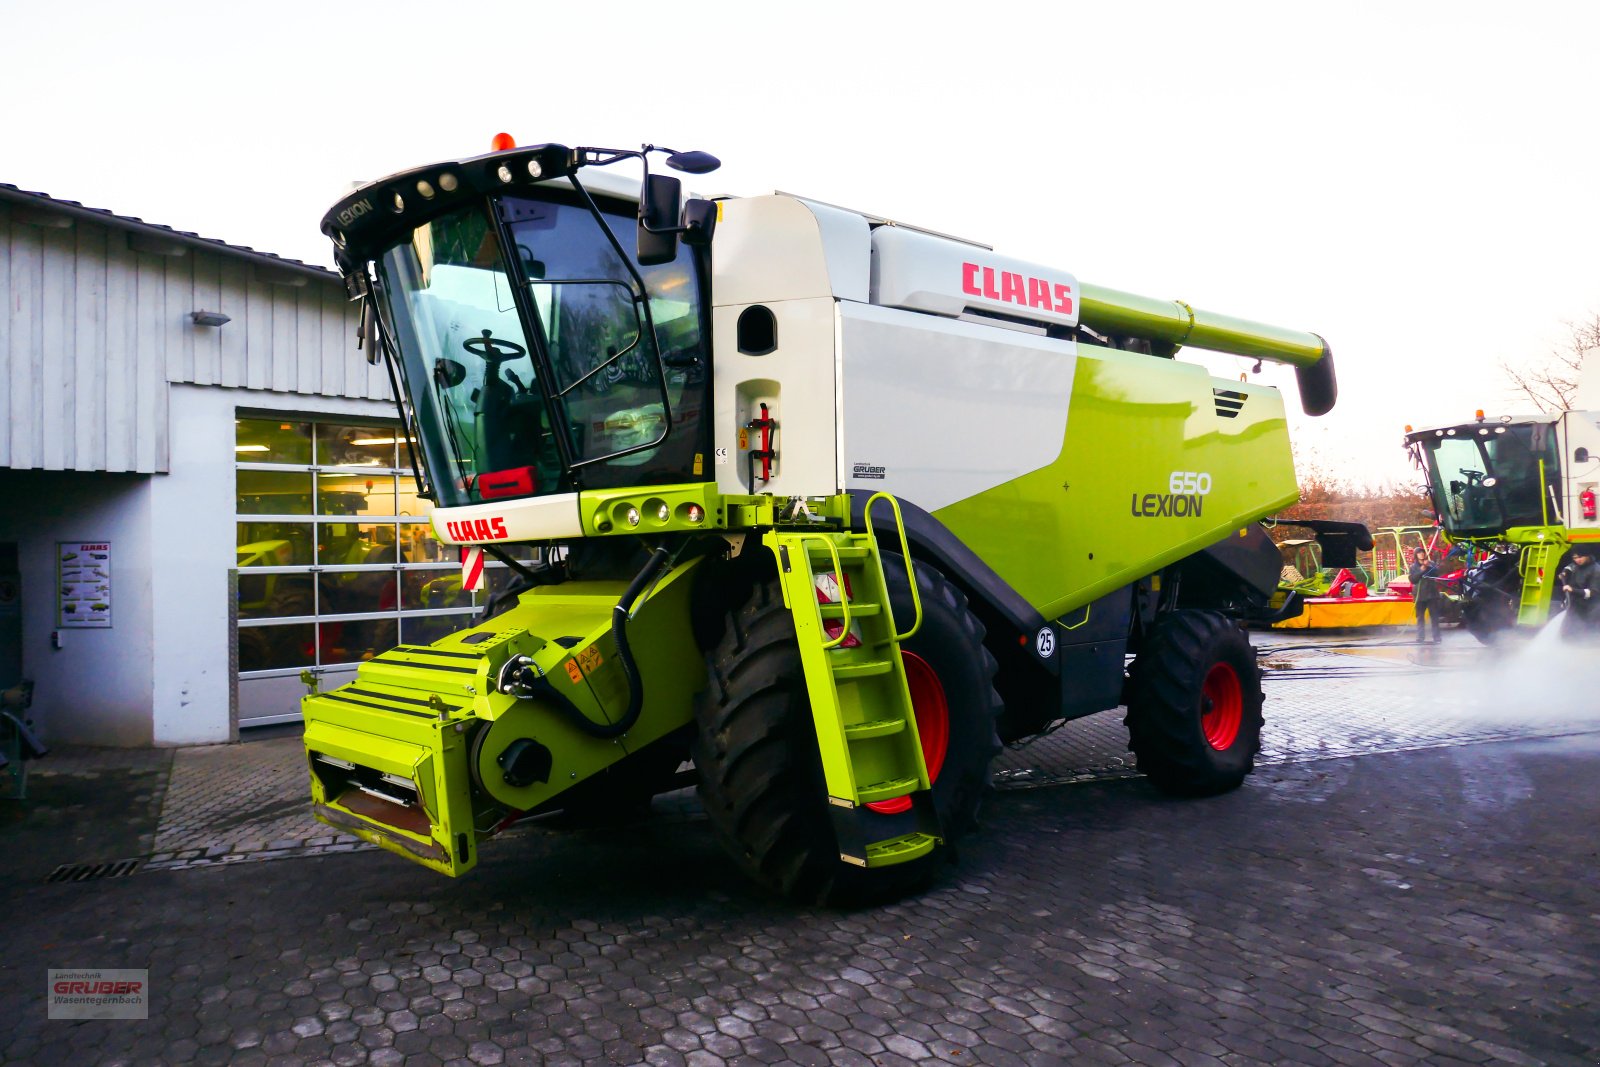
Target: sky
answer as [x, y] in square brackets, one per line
[1416, 182]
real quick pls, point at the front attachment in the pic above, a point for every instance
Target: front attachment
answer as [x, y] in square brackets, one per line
[433, 749]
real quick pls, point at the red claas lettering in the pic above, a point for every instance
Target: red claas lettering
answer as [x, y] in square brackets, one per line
[1013, 288]
[491, 529]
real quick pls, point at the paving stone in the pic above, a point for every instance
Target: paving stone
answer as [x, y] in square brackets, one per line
[1399, 883]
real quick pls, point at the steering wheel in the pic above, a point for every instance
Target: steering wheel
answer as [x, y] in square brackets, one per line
[493, 349]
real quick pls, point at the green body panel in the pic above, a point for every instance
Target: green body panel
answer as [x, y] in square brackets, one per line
[1083, 526]
[604, 511]
[433, 716]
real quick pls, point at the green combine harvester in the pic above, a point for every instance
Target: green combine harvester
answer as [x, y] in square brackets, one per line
[1521, 492]
[826, 505]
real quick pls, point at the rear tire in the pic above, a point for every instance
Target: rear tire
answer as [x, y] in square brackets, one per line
[761, 778]
[1194, 705]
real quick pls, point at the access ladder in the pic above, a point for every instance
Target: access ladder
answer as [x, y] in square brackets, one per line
[866, 726]
[1534, 607]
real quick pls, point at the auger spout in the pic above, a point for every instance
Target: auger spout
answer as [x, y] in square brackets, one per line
[1172, 322]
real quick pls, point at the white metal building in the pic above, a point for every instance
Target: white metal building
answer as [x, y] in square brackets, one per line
[202, 479]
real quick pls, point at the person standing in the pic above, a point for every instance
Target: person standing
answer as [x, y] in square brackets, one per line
[1580, 581]
[1425, 593]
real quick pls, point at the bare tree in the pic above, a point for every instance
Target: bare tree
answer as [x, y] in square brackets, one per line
[1326, 495]
[1552, 384]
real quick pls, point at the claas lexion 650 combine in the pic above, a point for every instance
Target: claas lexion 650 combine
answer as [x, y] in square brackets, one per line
[825, 504]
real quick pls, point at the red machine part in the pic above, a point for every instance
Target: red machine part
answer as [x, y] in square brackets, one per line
[766, 454]
[1346, 585]
[1586, 503]
[766, 445]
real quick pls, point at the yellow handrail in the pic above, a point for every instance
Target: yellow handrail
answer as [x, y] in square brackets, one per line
[905, 553]
[844, 598]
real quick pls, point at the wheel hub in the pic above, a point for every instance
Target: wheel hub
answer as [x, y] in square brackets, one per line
[933, 724]
[1221, 707]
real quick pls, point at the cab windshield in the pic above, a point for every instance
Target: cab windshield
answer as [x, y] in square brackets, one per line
[537, 371]
[1487, 479]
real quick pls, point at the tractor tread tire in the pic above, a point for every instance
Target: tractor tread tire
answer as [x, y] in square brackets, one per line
[1164, 698]
[760, 772]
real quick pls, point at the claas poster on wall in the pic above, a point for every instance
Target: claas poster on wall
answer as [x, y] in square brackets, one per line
[83, 584]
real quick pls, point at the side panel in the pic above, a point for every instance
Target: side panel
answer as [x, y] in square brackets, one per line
[938, 411]
[1159, 461]
[793, 258]
[780, 248]
[1582, 431]
[796, 382]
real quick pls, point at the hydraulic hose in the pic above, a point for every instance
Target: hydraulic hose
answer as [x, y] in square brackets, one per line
[530, 679]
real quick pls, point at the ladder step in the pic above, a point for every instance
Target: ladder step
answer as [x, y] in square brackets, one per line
[836, 611]
[876, 728]
[886, 790]
[846, 672]
[900, 849]
[817, 551]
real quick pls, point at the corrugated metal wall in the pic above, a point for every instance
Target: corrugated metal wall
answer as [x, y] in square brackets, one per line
[92, 332]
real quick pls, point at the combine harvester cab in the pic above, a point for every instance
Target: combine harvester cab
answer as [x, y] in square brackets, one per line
[822, 503]
[1519, 494]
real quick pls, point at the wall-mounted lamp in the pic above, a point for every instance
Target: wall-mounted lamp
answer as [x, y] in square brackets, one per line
[209, 318]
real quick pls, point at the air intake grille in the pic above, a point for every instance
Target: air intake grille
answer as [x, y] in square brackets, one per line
[1229, 402]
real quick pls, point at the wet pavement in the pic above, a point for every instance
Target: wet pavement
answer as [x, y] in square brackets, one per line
[1408, 878]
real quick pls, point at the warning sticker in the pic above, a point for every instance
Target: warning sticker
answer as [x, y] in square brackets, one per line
[574, 672]
[744, 438]
[590, 659]
[699, 462]
[828, 592]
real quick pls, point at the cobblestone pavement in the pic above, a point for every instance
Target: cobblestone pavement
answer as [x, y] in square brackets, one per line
[233, 803]
[1429, 897]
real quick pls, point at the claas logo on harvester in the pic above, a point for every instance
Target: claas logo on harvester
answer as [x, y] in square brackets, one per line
[1013, 288]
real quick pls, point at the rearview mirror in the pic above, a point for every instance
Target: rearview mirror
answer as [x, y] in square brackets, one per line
[367, 331]
[694, 162]
[699, 222]
[448, 373]
[658, 219]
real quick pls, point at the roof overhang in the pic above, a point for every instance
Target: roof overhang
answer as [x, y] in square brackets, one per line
[40, 209]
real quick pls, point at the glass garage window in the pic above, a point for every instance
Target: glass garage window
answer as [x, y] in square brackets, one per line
[336, 561]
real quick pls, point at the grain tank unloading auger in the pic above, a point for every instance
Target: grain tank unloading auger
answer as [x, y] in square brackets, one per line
[707, 406]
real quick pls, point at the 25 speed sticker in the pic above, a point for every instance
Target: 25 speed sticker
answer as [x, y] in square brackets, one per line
[1185, 496]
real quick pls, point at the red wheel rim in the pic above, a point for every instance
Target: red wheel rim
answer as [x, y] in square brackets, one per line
[933, 724]
[1223, 707]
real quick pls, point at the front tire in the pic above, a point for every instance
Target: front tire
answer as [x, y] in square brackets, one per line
[1489, 618]
[761, 778]
[1194, 705]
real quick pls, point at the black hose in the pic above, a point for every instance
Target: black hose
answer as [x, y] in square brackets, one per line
[532, 680]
